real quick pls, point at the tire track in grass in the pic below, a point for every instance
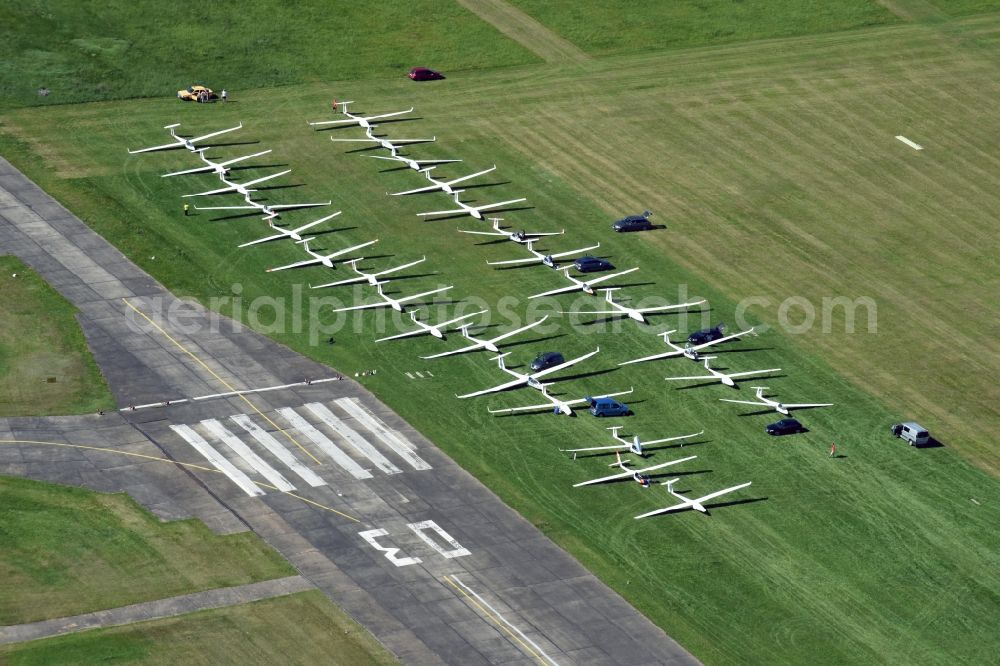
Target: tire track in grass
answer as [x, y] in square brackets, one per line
[525, 30]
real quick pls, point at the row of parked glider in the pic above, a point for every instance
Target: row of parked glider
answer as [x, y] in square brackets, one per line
[534, 379]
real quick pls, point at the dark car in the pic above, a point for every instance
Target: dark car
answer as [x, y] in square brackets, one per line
[546, 360]
[785, 427]
[634, 223]
[707, 335]
[424, 74]
[608, 407]
[590, 264]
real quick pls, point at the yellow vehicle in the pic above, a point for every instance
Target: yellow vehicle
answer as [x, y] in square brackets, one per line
[192, 92]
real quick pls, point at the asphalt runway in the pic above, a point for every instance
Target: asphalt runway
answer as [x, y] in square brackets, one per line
[368, 510]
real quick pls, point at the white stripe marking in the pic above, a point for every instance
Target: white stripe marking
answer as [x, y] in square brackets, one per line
[409, 375]
[393, 440]
[457, 550]
[218, 461]
[429, 373]
[277, 450]
[328, 447]
[911, 144]
[504, 620]
[418, 374]
[273, 476]
[360, 444]
[178, 401]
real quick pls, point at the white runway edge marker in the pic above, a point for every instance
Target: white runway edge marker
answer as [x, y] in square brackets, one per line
[911, 144]
[278, 450]
[500, 617]
[218, 461]
[360, 444]
[321, 440]
[237, 446]
[392, 439]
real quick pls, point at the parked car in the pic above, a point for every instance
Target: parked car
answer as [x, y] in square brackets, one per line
[785, 427]
[911, 432]
[608, 407]
[424, 74]
[590, 264]
[633, 223]
[190, 94]
[546, 360]
[708, 334]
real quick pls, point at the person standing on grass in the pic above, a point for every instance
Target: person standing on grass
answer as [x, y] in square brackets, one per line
[187, 210]
[833, 449]
[334, 104]
[224, 95]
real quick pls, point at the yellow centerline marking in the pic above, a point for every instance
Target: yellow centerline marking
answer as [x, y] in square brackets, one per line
[175, 462]
[223, 381]
[499, 623]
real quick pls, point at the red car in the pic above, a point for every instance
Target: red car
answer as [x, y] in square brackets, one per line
[424, 74]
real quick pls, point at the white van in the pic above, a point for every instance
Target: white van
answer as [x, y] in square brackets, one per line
[911, 432]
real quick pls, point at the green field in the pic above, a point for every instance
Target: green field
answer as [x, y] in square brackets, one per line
[606, 27]
[775, 169]
[45, 366]
[113, 49]
[304, 628]
[69, 551]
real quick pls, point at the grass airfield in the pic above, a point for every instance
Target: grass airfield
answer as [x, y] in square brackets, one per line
[775, 168]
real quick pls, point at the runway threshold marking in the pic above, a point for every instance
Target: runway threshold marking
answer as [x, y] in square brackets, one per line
[360, 444]
[529, 645]
[396, 441]
[173, 462]
[210, 453]
[222, 381]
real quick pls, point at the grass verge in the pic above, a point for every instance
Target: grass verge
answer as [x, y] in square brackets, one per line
[69, 551]
[45, 365]
[303, 628]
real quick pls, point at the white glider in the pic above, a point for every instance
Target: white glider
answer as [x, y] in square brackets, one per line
[294, 234]
[635, 446]
[632, 313]
[363, 121]
[586, 286]
[317, 258]
[780, 407]
[484, 343]
[442, 185]
[521, 237]
[547, 259]
[221, 168]
[370, 278]
[397, 304]
[560, 406]
[474, 211]
[437, 330]
[416, 165]
[636, 474]
[697, 504]
[242, 188]
[527, 379]
[271, 211]
[180, 142]
[388, 144]
[690, 351]
[724, 377]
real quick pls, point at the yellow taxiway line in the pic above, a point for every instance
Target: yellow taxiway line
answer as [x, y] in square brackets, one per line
[222, 381]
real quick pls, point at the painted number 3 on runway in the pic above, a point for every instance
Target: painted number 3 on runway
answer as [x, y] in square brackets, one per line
[420, 529]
